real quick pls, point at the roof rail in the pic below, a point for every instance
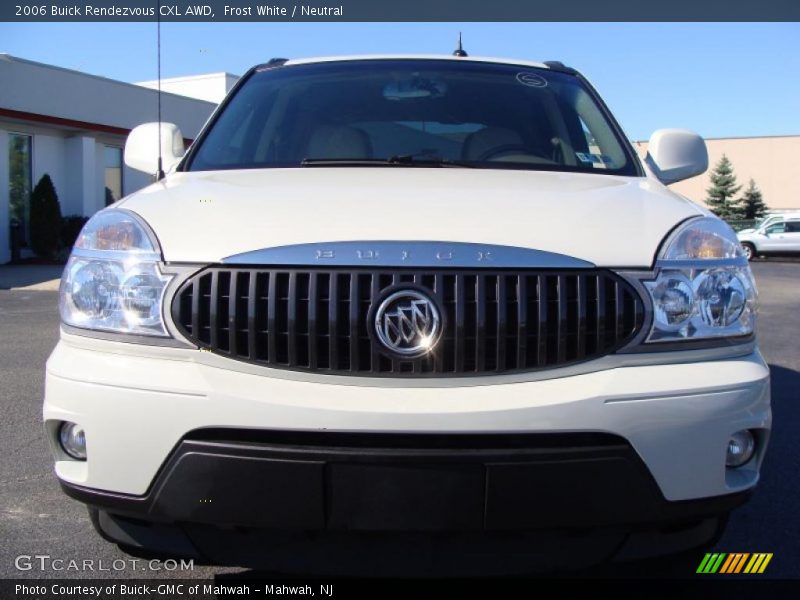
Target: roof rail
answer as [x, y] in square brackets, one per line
[557, 65]
[270, 64]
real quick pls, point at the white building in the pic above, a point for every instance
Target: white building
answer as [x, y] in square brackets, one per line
[73, 126]
[211, 87]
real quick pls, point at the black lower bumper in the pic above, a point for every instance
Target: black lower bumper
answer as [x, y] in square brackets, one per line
[437, 484]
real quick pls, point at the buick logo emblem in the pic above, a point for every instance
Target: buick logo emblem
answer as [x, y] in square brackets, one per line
[407, 323]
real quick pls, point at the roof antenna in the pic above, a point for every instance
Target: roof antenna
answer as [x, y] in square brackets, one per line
[460, 50]
[160, 171]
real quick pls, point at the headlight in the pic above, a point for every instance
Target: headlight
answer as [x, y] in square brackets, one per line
[704, 287]
[112, 281]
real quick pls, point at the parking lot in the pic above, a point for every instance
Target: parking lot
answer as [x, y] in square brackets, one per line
[37, 519]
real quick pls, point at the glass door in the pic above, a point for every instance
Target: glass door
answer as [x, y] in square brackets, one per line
[20, 182]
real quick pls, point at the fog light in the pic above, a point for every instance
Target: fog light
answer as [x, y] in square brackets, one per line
[73, 440]
[740, 448]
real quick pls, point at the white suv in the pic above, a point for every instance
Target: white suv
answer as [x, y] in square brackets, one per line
[383, 297]
[777, 235]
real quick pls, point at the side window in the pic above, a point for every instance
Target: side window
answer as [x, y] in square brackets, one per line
[776, 228]
[112, 157]
[20, 182]
[793, 227]
[604, 151]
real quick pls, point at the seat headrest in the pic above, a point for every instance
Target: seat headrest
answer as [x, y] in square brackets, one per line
[336, 141]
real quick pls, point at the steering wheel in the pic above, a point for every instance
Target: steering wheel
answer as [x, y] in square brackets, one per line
[500, 150]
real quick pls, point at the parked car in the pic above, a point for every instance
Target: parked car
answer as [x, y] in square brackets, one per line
[768, 220]
[409, 302]
[776, 236]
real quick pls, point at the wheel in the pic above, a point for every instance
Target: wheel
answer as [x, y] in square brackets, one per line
[749, 250]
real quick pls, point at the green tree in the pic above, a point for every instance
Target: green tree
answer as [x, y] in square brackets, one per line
[752, 202]
[723, 189]
[45, 218]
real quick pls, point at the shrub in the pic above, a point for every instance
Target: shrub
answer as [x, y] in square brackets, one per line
[752, 202]
[45, 224]
[70, 228]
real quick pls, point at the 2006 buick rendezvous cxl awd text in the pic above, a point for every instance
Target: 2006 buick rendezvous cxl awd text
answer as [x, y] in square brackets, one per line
[424, 303]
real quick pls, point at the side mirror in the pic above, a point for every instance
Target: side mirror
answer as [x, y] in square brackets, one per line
[676, 154]
[141, 147]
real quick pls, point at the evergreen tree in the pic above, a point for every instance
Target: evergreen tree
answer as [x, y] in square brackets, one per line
[752, 202]
[45, 218]
[723, 188]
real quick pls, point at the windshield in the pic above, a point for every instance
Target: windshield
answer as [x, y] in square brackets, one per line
[412, 112]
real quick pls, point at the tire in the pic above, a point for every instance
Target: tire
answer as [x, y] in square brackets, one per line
[142, 539]
[94, 518]
[749, 250]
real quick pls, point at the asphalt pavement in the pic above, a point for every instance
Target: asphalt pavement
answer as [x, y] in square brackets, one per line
[37, 519]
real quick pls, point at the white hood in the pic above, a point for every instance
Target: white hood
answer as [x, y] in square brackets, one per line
[203, 217]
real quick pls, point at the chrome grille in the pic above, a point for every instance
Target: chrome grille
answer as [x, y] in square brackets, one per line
[494, 321]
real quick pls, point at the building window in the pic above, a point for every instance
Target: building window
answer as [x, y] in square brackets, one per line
[20, 181]
[113, 165]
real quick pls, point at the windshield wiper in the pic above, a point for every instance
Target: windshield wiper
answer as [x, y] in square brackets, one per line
[399, 160]
[411, 159]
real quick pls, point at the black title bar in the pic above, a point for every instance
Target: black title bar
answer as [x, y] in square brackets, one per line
[397, 11]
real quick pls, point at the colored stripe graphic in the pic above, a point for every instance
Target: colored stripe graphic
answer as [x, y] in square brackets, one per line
[740, 564]
[724, 563]
[758, 563]
[734, 562]
[765, 563]
[703, 563]
[753, 562]
[711, 563]
[728, 562]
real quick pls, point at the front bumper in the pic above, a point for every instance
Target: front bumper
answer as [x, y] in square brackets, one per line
[411, 482]
[189, 451]
[136, 403]
[257, 497]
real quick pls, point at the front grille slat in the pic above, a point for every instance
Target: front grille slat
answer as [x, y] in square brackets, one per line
[502, 307]
[541, 332]
[580, 346]
[291, 314]
[252, 298]
[195, 316]
[374, 292]
[213, 306]
[522, 321]
[600, 306]
[439, 294]
[460, 307]
[312, 321]
[333, 346]
[272, 318]
[353, 311]
[618, 317]
[562, 325]
[234, 278]
[316, 320]
[480, 322]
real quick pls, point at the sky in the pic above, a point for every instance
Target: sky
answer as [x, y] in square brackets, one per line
[719, 79]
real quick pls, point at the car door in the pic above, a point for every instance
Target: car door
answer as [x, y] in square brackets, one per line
[792, 237]
[773, 238]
